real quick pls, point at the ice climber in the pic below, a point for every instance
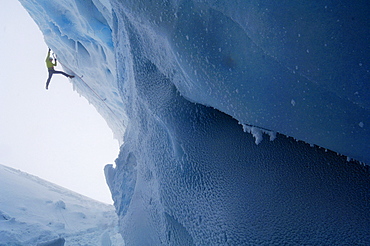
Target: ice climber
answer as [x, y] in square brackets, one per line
[50, 65]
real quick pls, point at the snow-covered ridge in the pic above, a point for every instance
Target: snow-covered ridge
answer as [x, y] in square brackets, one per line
[34, 211]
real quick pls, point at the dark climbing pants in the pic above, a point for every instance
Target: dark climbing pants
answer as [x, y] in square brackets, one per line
[51, 72]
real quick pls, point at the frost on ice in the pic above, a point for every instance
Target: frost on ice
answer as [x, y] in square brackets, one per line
[179, 76]
[258, 133]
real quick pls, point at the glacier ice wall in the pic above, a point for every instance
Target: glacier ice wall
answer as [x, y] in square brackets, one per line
[296, 68]
[80, 34]
[187, 174]
[180, 78]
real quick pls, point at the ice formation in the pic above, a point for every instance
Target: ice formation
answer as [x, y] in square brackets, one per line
[175, 80]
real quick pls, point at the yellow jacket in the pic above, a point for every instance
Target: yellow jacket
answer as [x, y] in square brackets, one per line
[49, 64]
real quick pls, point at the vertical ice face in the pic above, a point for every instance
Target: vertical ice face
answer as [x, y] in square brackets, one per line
[183, 75]
[197, 177]
[189, 175]
[287, 67]
[80, 34]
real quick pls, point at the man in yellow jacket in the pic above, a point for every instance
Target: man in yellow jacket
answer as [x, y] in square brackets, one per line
[50, 65]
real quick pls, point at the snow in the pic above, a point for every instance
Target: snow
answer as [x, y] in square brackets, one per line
[175, 81]
[36, 212]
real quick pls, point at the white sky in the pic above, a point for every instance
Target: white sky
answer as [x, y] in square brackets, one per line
[55, 134]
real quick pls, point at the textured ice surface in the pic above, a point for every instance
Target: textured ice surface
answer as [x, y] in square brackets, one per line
[184, 80]
[295, 68]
